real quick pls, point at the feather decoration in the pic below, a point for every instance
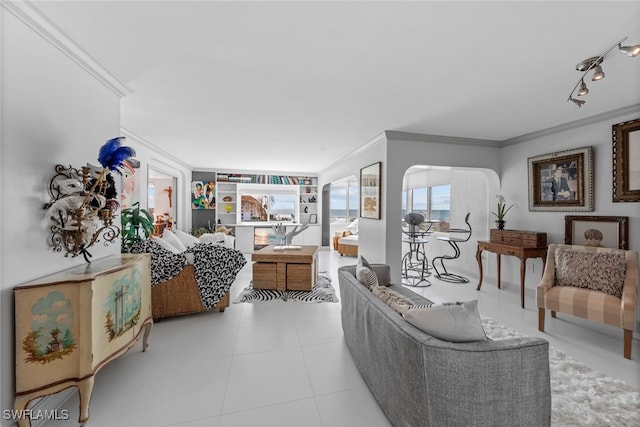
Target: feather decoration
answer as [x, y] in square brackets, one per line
[113, 153]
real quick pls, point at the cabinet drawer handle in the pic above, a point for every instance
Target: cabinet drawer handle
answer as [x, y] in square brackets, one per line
[511, 252]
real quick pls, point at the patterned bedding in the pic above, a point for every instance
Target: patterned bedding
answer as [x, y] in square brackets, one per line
[216, 267]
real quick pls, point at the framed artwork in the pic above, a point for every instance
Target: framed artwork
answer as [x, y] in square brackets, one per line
[602, 231]
[313, 219]
[561, 181]
[203, 195]
[370, 191]
[626, 161]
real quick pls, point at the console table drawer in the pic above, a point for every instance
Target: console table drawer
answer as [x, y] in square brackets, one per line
[527, 239]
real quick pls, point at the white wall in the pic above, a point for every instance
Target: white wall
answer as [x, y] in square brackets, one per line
[380, 241]
[53, 114]
[514, 183]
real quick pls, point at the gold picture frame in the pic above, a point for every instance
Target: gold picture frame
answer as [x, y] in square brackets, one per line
[561, 181]
[626, 161]
[604, 231]
[370, 191]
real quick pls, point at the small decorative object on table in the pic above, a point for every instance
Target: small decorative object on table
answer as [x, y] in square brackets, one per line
[502, 212]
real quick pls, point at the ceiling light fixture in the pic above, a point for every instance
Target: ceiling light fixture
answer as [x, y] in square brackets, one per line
[583, 89]
[598, 74]
[595, 63]
[630, 50]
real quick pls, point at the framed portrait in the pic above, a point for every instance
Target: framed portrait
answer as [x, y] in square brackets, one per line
[601, 231]
[561, 181]
[370, 191]
[626, 161]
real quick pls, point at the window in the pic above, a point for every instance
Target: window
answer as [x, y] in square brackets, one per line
[345, 201]
[434, 202]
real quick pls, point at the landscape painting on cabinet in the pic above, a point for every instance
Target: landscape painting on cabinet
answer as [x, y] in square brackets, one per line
[122, 306]
[50, 336]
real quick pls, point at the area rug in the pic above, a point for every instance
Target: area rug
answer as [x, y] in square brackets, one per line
[581, 396]
[322, 291]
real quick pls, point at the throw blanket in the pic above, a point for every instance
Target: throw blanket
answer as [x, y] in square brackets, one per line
[216, 267]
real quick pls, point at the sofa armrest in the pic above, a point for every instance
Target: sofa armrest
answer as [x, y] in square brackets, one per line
[548, 276]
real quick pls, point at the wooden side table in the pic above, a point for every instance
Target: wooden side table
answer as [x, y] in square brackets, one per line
[285, 269]
[521, 252]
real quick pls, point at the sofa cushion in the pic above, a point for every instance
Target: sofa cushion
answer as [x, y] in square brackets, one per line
[353, 227]
[187, 239]
[454, 322]
[598, 271]
[365, 274]
[166, 245]
[171, 238]
[393, 299]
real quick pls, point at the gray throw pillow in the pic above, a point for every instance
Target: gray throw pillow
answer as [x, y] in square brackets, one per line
[454, 322]
[365, 274]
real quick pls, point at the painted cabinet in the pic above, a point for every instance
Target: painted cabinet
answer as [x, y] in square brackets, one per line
[70, 324]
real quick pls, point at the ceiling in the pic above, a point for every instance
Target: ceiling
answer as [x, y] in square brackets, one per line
[295, 86]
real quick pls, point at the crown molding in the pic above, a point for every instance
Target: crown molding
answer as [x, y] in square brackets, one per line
[631, 109]
[153, 148]
[360, 149]
[28, 13]
[422, 137]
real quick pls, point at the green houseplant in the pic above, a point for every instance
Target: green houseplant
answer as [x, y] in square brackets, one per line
[137, 225]
[502, 211]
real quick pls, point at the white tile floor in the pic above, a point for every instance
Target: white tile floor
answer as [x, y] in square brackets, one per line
[286, 364]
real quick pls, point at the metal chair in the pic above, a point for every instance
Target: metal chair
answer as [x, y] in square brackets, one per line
[415, 265]
[453, 242]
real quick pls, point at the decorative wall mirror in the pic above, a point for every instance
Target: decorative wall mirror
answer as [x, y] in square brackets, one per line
[161, 199]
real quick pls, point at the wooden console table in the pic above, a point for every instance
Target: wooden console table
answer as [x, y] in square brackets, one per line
[70, 324]
[521, 244]
[285, 269]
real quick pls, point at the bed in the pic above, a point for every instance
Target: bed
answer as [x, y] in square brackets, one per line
[195, 280]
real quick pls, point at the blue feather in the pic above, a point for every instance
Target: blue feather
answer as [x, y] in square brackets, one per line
[113, 153]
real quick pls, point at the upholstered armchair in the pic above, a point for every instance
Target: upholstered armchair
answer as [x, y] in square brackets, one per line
[593, 283]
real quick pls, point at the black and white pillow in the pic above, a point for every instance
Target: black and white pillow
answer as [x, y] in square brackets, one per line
[365, 274]
[165, 265]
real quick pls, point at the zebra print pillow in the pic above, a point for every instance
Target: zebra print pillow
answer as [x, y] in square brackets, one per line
[365, 274]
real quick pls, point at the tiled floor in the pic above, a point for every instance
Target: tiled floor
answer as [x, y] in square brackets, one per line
[286, 364]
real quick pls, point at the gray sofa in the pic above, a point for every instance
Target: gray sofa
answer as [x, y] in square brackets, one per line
[419, 380]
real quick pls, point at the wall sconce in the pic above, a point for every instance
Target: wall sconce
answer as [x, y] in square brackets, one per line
[83, 202]
[595, 63]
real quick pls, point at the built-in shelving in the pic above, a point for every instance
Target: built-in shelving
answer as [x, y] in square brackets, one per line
[228, 203]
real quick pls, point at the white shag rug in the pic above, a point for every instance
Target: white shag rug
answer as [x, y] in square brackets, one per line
[581, 396]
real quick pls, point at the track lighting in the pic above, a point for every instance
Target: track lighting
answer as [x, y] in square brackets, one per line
[578, 102]
[598, 74]
[583, 89]
[595, 63]
[630, 50]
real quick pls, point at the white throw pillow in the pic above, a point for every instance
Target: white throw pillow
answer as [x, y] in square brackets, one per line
[365, 274]
[171, 238]
[166, 245]
[217, 238]
[454, 322]
[353, 227]
[187, 239]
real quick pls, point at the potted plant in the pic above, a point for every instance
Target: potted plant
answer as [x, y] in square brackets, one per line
[502, 212]
[137, 225]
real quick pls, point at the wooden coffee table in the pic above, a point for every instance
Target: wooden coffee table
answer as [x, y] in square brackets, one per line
[285, 269]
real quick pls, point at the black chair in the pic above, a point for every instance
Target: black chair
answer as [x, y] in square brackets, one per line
[464, 235]
[415, 265]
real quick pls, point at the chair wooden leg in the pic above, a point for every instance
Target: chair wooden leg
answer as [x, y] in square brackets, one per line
[628, 338]
[541, 319]
[553, 314]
